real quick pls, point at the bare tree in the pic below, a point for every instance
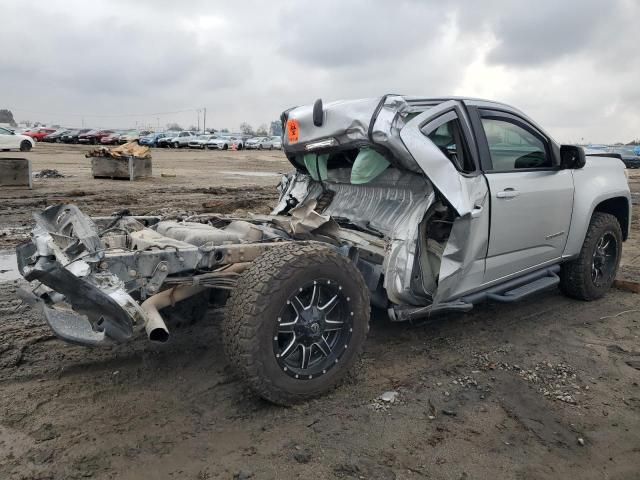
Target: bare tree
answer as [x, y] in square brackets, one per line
[6, 116]
[262, 130]
[246, 128]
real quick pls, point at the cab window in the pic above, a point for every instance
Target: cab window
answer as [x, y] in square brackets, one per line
[513, 147]
[449, 139]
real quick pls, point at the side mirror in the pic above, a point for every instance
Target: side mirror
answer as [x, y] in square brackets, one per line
[572, 156]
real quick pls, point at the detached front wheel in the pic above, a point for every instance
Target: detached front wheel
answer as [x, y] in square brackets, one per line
[296, 322]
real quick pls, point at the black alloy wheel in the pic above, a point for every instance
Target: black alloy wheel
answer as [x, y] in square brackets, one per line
[314, 329]
[603, 262]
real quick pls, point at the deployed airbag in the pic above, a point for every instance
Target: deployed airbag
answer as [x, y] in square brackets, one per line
[367, 166]
[316, 165]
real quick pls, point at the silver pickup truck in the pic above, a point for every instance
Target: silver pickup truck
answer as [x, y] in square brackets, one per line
[416, 205]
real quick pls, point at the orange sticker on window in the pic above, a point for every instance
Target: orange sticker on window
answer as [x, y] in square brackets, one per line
[293, 131]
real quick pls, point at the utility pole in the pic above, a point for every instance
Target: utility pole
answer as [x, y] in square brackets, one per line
[198, 110]
[204, 120]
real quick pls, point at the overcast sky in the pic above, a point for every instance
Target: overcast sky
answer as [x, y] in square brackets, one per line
[573, 65]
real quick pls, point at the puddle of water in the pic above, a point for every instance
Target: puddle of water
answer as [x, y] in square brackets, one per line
[8, 266]
[249, 173]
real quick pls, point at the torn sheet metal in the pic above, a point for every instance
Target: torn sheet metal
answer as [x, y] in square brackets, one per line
[440, 170]
[346, 120]
[392, 206]
[464, 256]
[304, 219]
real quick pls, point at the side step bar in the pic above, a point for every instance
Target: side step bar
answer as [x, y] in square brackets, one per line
[507, 292]
[518, 288]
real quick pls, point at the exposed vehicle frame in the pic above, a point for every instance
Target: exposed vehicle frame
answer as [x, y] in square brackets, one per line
[406, 203]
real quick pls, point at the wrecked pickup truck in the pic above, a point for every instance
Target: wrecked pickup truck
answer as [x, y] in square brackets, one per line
[417, 206]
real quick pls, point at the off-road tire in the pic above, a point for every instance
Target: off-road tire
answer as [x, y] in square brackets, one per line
[259, 297]
[575, 276]
[25, 146]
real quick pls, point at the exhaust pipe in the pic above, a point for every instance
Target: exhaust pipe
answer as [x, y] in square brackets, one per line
[155, 327]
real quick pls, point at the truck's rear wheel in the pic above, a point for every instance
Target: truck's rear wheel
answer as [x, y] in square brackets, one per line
[589, 276]
[296, 322]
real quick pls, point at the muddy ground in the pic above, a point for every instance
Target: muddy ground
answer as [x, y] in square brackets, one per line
[548, 388]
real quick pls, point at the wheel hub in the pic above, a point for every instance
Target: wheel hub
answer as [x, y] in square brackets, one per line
[603, 261]
[314, 330]
[311, 323]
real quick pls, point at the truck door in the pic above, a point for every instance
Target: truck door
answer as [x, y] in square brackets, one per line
[531, 197]
[440, 140]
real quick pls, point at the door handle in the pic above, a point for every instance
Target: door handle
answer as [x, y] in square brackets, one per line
[507, 193]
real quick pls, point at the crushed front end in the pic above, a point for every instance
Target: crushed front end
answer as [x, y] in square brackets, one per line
[101, 280]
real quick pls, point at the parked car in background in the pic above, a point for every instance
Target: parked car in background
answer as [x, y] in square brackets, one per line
[39, 133]
[260, 143]
[94, 137]
[222, 143]
[111, 139]
[183, 138]
[167, 140]
[200, 141]
[129, 136]
[276, 142]
[15, 141]
[152, 139]
[55, 137]
[630, 155]
[72, 135]
[239, 143]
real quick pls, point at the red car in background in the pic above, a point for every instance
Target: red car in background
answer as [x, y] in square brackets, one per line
[93, 136]
[39, 133]
[111, 139]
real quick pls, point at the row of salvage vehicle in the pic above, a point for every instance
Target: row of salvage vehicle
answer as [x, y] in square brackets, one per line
[86, 136]
[167, 139]
[224, 141]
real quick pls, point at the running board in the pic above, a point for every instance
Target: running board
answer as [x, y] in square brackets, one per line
[507, 292]
[519, 288]
[525, 290]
